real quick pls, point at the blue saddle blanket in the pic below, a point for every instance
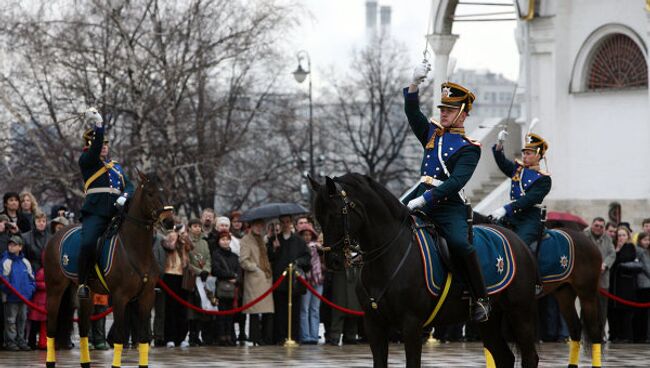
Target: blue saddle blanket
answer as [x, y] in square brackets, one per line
[556, 256]
[69, 249]
[493, 249]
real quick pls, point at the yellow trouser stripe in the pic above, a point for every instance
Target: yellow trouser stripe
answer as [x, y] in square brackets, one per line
[595, 355]
[574, 352]
[85, 352]
[441, 300]
[101, 277]
[117, 355]
[51, 353]
[143, 349]
[489, 360]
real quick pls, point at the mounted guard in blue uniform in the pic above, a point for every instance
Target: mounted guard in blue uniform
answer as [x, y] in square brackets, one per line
[107, 189]
[450, 158]
[529, 186]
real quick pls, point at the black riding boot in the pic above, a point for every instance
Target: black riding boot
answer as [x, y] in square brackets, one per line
[85, 265]
[480, 300]
[539, 285]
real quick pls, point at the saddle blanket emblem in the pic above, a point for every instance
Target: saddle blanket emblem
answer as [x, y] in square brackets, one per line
[70, 246]
[556, 256]
[494, 252]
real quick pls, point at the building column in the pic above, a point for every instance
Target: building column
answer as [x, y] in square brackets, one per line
[441, 44]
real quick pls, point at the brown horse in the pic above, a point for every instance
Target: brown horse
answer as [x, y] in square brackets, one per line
[132, 276]
[583, 283]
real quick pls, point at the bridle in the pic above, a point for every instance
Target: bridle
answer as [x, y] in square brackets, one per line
[155, 217]
[351, 245]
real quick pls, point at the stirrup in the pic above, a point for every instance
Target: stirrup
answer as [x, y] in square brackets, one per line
[481, 309]
[83, 292]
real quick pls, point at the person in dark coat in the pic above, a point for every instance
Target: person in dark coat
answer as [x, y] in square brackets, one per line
[622, 283]
[450, 158]
[11, 208]
[225, 267]
[285, 248]
[107, 189]
[36, 239]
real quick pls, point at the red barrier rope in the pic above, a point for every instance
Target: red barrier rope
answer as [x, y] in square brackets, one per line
[42, 310]
[327, 301]
[225, 312]
[624, 301]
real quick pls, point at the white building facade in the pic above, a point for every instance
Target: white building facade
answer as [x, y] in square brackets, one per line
[584, 74]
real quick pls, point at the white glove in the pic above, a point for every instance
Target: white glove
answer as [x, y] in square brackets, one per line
[502, 136]
[498, 213]
[121, 200]
[93, 116]
[420, 72]
[416, 203]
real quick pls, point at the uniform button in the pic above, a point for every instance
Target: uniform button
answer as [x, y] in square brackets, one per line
[428, 156]
[451, 148]
[426, 164]
[437, 169]
[445, 154]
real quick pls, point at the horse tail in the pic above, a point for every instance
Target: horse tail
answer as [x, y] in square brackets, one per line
[66, 313]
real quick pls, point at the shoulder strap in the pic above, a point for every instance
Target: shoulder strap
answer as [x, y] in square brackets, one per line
[98, 173]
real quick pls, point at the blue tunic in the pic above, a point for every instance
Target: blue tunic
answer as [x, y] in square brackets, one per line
[460, 156]
[528, 188]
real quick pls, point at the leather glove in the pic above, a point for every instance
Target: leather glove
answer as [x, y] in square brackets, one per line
[92, 115]
[502, 136]
[121, 200]
[204, 275]
[420, 72]
[498, 213]
[416, 203]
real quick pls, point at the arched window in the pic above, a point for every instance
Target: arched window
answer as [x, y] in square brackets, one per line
[617, 63]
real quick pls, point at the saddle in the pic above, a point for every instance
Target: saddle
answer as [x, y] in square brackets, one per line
[439, 241]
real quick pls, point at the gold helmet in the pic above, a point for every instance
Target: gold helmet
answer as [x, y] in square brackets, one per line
[535, 143]
[455, 96]
[89, 135]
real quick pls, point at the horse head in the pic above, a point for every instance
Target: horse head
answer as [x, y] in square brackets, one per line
[151, 199]
[354, 212]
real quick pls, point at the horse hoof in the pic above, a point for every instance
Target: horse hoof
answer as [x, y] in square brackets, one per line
[572, 366]
[50, 364]
[85, 365]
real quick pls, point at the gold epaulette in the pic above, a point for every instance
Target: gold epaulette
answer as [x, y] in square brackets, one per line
[472, 141]
[436, 123]
[540, 171]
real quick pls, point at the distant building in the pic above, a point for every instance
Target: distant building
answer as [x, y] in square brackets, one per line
[493, 95]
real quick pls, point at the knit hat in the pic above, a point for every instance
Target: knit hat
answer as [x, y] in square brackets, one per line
[223, 220]
[16, 239]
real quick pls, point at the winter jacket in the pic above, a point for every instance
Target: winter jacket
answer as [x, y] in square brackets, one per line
[40, 298]
[225, 265]
[17, 270]
[35, 242]
[643, 278]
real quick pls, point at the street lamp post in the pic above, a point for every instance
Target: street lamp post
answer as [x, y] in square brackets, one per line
[300, 74]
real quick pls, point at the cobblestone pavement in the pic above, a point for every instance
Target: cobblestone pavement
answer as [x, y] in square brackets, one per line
[441, 355]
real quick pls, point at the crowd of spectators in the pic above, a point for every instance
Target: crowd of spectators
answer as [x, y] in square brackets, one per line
[220, 263]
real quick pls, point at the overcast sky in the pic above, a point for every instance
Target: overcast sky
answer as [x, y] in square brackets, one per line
[336, 27]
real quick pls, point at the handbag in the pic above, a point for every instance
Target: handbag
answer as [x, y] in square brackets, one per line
[188, 282]
[225, 288]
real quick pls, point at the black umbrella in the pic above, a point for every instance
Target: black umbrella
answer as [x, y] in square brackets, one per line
[272, 210]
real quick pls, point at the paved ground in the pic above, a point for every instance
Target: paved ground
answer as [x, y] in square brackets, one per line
[445, 355]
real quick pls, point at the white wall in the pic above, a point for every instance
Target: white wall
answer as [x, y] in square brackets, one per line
[599, 141]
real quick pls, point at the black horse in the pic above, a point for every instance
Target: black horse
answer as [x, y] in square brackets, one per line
[354, 209]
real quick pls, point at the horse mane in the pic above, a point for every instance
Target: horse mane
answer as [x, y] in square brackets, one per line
[394, 205]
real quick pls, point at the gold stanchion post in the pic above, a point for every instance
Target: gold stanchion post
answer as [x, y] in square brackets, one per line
[290, 342]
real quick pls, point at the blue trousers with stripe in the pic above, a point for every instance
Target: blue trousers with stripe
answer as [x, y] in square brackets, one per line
[92, 227]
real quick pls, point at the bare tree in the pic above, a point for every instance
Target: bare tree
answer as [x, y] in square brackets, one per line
[184, 86]
[369, 132]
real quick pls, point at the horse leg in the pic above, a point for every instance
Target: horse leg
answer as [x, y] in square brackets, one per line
[85, 309]
[119, 306]
[525, 332]
[412, 336]
[378, 339]
[589, 305]
[145, 303]
[494, 342]
[54, 296]
[566, 298]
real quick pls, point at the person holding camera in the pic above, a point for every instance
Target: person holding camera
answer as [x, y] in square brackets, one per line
[11, 209]
[107, 189]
